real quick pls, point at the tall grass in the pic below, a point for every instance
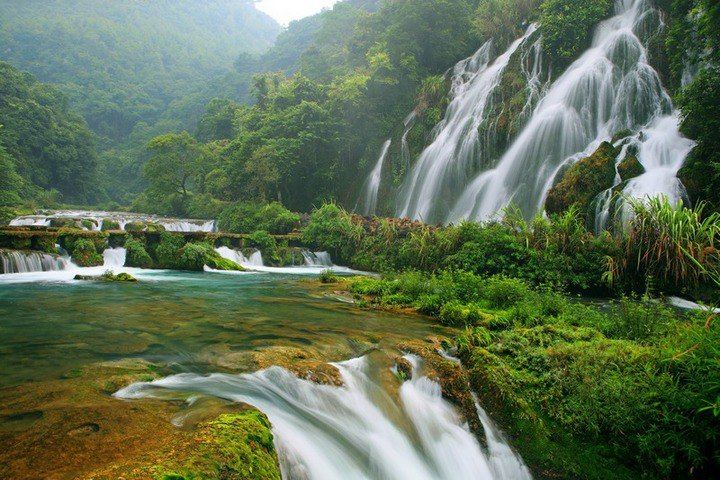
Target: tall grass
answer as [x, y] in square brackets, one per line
[671, 243]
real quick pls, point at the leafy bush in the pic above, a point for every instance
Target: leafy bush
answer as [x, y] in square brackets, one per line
[84, 253]
[502, 292]
[458, 314]
[331, 229]
[567, 26]
[136, 255]
[167, 253]
[245, 217]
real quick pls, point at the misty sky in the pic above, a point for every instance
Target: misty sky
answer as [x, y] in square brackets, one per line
[284, 11]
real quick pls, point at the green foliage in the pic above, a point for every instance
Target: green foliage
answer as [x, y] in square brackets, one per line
[244, 217]
[331, 229]
[327, 276]
[675, 245]
[44, 142]
[84, 253]
[623, 391]
[700, 106]
[566, 26]
[264, 242]
[136, 255]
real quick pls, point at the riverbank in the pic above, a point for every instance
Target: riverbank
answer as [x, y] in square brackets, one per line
[620, 390]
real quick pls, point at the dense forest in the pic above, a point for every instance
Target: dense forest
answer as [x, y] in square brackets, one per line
[338, 83]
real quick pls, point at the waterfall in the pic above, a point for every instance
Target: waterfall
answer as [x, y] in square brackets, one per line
[122, 218]
[188, 226]
[22, 262]
[256, 259]
[409, 123]
[357, 431]
[30, 221]
[317, 259]
[367, 203]
[611, 87]
[114, 257]
[450, 161]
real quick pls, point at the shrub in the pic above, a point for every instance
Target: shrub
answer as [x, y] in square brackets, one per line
[84, 253]
[673, 244]
[167, 253]
[136, 256]
[245, 217]
[331, 229]
[567, 26]
[503, 292]
[458, 314]
[327, 276]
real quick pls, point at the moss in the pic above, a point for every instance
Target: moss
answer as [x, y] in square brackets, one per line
[134, 227]
[16, 240]
[64, 223]
[136, 255]
[154, 228]
[45, 243]
[108, 276]
[88, 224]
[236, 446]
[216, 262]
[84, 253]
[584, 181]
[109, 225]
[630, 167]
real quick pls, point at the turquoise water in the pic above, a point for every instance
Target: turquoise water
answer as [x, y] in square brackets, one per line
[186, 322]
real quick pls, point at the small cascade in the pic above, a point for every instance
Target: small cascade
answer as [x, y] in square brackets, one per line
[609, 88]
[23, 262]
[358, 431]
[255, 260]
[232, 255]
[188, 226]
[409, 123]
[317, 259]
[457, 151]
[121, 218]
[30, 221]
[114, 257]
[367, 203]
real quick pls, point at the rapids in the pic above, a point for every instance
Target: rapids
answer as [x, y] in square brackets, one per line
[361, 430]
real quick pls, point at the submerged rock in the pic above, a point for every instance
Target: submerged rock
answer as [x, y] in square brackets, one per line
[305, 364]
[108, 277]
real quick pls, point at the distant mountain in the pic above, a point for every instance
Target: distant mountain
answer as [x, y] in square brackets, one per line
[124, 63]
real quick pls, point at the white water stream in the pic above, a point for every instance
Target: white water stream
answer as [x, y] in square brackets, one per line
[367, 203]
[357, 431]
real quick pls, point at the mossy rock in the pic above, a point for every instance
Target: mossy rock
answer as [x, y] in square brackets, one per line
[236, 446]
[88, 224]
[134, 227]
[584, 181]
[16, 240]
[154, 228]
[630, 167]
[84, 253]
[108, 277]
[45, 243]
[109, 225]
[136, 255]
[64, 223]
[217, 262]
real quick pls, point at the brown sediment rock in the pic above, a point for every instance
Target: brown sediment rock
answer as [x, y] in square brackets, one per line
[305, 363]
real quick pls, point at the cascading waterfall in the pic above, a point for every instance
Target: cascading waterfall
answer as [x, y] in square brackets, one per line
[255, 259]
[457, 151]
[357, 431]
[122, 218]
[610, 88]
[317, 259]
[114, 257]
[408, 123]
[367, 203]
[23, 262]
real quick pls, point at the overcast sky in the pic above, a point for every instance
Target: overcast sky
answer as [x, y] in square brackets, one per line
[284, 11]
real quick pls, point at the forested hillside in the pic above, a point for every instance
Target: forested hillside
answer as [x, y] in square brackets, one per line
[305, 120]
[44, 146]
[122, 63]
